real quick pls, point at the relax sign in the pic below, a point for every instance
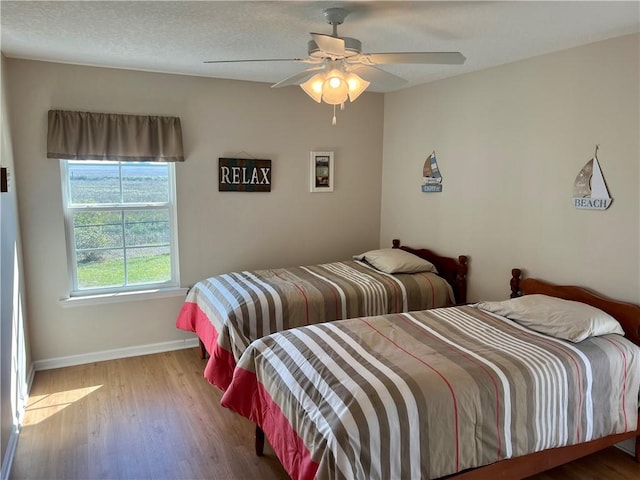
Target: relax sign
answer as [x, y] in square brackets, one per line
[244, 175]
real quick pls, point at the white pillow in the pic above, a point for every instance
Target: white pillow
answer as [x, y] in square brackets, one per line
[565, 319]
[395, 260]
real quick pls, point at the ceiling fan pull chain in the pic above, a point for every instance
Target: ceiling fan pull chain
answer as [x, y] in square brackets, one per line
[333, 122]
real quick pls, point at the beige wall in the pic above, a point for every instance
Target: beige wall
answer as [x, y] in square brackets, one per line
[510, 142]
[217, 231]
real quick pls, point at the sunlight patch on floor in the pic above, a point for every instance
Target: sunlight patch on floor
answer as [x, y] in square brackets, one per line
[41, 407]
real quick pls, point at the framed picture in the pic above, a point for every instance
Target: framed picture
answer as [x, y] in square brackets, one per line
[321, 170]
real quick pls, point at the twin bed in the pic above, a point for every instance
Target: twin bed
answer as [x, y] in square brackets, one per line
[228, 312]
[491, 390]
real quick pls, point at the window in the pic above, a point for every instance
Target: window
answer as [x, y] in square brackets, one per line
[120, 220]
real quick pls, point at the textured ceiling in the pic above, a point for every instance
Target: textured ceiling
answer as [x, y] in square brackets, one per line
[177, 36]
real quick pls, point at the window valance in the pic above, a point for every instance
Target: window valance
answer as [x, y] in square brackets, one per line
[110, 136]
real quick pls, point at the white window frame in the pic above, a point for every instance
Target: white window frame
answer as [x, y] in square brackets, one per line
[69, 209]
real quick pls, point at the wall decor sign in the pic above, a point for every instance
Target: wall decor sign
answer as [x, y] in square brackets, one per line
[244, 175]
[590, 191]
[321, 171]
[431, 178]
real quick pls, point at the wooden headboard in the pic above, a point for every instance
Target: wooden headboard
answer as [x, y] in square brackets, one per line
[452, 270]
[628, 314]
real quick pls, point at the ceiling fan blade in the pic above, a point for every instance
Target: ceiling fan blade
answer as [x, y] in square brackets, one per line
[329, 44]
[298, 78]
[259, 60]
[443, 58]
[379, 77]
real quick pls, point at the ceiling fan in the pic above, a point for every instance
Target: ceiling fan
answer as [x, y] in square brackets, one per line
[341, 71]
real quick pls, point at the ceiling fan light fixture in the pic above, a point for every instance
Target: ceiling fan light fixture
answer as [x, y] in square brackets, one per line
[356, 85]
[335, 87]
[313, 86]
[335, 90]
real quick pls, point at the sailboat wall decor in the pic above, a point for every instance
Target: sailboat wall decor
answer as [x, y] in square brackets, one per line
[590, 190]
[431, 178]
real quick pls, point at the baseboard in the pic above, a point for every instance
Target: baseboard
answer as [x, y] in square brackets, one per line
[103, 355]
[9, 453]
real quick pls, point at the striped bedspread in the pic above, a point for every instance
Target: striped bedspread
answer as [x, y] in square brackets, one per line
[229, 311]
[426, 394]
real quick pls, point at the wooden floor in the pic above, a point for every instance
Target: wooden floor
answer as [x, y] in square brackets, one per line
[156, 417]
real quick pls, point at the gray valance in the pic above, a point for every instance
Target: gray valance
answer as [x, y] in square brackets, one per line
[110, 136]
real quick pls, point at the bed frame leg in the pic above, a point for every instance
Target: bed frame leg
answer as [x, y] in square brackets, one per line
[203, 351]
[259, 441]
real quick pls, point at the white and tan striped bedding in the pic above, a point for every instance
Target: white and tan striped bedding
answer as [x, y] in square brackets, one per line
[430, 393]
[229, 311]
